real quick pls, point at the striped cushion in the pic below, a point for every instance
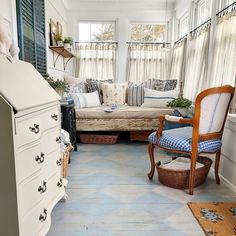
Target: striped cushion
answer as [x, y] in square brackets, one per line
[181, 139]
[136, 92]
[136, 95]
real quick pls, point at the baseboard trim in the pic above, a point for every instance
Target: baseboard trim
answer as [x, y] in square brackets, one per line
[226, 181]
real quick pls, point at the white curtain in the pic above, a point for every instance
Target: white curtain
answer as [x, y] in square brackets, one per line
[177, 68]
[96, 61]
[223, 67]
[147, 61]
[196, 62]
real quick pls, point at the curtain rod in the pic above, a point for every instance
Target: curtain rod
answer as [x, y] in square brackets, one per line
[203, 24]
[97, 42]
[179, 40]
[147, 43]
[226, 8]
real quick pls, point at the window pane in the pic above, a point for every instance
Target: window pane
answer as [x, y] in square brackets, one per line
[204, 11]
[84, 32]
[159, 33]
[183, 25]
[148, 32]
[96, 32]
[136, 34]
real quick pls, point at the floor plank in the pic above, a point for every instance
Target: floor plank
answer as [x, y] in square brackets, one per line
[109, 194]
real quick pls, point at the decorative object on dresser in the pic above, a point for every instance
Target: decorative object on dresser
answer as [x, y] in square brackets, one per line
[68, 121]
[31, 180]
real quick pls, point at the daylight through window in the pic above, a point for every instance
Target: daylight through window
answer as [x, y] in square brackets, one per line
[91, 32]
[148, 32]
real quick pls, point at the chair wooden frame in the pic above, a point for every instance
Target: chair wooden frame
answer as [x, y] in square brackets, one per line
[196, 137]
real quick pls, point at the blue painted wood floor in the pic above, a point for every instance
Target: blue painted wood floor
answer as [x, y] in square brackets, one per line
[109, 194]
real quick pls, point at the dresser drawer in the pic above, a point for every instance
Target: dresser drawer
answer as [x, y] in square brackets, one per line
[51, 118]
[29, 128]
[29, 161]
[55, 187]
[30, 193]
[34, 221]
[53, 164]
[51, 140]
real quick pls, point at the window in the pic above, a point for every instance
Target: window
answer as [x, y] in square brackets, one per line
[148, 32]
[31, 33]
[203, 11]
[91, 32]
[183, 25]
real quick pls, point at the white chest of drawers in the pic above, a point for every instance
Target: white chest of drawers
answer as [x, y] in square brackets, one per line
[31, 180]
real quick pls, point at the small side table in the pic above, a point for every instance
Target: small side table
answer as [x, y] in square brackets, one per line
[68, 120]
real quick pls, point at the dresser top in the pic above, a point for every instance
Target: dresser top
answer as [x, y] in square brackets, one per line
[23, 86]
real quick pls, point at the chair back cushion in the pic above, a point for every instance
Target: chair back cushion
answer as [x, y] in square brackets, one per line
[212, 112]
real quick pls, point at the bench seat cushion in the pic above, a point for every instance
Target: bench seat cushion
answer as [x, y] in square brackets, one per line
[124, 112]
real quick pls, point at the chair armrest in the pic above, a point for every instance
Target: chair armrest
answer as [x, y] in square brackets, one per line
[176, 119]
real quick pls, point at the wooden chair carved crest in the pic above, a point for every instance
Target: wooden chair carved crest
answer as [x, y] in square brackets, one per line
[203, 136]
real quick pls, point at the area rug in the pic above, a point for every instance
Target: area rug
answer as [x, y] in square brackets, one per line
[215, 218]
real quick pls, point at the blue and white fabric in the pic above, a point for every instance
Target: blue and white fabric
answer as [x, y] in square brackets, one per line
[181, 139]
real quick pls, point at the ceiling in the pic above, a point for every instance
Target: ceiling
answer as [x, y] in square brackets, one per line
[152, 4]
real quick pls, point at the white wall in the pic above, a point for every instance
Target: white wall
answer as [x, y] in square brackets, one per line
[228, 156]
[55, 10]
[123, 14]
[8, 12]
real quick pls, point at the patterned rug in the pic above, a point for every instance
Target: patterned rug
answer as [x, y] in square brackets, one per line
[216, 218]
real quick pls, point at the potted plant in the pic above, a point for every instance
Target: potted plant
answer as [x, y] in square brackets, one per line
[60, 86]
[68, 41]
[181, 104]
[59, 40]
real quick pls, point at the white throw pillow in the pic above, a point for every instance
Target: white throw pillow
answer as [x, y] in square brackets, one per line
[159, 99]
[114, 93]
[86, 99]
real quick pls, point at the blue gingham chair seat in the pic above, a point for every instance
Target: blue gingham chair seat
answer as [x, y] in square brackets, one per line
[181, 139]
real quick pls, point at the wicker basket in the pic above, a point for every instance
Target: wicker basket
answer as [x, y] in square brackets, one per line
[65, 161]
[98, 138]
[179, 178]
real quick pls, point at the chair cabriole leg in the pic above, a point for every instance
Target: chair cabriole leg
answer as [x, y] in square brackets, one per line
[192, 172]
[152, 160]
[217, 163]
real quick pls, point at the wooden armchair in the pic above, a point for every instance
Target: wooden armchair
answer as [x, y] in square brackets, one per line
[211, 108]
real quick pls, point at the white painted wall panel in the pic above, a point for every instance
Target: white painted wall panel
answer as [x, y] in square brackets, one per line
[228, 157]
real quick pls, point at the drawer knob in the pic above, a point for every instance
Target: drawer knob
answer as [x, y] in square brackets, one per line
[40, 159]
[58, 139]
[54, 117]
[43, 216]
[59, 162]
[42, 189]
[59, 183]
[34, 129]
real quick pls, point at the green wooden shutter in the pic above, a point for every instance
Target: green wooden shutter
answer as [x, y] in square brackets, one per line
[31, 33]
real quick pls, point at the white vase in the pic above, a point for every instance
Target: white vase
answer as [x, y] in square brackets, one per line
[67, 46]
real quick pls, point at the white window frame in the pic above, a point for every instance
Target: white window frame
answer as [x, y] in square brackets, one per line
[182, 19]
[97, 22]
[197, 17]
[150, 23]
